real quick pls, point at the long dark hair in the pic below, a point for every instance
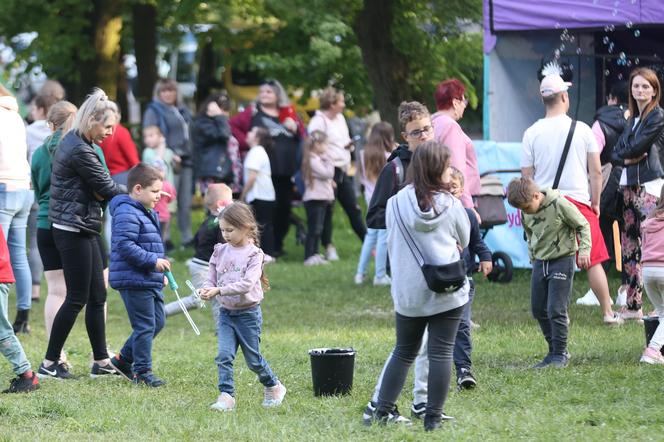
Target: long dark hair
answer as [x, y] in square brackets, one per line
[425, 172]
[381, 140]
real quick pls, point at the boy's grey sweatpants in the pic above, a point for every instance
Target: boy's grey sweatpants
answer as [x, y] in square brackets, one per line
[550, 290]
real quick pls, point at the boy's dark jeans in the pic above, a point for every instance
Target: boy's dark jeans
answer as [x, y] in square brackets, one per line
[146, 315]
[551, 287]
[463, 345]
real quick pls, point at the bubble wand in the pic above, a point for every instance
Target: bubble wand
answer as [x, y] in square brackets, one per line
[174, 286]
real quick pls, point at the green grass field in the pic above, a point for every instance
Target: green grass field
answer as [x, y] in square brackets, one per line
[603, 395]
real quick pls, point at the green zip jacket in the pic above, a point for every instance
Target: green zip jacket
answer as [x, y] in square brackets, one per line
[41, 175]
[552, 231]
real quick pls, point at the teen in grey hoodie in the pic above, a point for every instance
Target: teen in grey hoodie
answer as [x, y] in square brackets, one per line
[438, 224]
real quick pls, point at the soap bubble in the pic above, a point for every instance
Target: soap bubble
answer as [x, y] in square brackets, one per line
[614, 12]
[605, 40]
[578, 51]
[637, 33]
[606, 73]
[611, 46]
[629, 24]
[557, 25]
[637, 61]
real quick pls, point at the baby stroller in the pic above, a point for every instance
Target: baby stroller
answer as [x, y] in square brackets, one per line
[491, 208]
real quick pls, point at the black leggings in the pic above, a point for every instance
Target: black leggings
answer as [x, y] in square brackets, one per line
[264, 212]
[83, 267]
[283, 188]
[317, 214]
[345, 193]
[410, 330]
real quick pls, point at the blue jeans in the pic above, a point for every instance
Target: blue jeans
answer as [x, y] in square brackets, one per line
[374, 238]
[463, 345]
[241, 328]
[14, 211]
[10, 347]
[146, 315]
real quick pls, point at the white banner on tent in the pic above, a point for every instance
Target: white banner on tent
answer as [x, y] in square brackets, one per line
[507, 238]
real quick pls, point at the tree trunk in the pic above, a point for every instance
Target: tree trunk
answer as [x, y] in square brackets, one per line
[107, 45]
[144, 18]
[386, 66]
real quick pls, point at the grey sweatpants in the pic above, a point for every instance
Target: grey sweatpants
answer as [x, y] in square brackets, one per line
[550, 290]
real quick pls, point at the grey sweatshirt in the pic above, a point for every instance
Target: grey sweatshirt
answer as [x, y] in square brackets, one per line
[436, 234]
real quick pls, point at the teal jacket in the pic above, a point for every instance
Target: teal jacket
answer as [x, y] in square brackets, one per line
[41, 175]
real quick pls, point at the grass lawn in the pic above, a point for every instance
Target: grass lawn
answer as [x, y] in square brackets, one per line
[603, 395]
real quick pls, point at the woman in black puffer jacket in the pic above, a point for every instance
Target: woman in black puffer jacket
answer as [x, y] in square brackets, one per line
[79, 184]
[210, 132]
[639, 150]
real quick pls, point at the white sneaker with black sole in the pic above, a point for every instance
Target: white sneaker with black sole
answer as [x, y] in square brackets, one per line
[465, 379]
[417, 411]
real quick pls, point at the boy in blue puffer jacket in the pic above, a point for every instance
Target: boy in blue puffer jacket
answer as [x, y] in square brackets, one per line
[137, 271]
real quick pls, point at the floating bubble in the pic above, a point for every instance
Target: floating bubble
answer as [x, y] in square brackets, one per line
[614, 12]
[557, 53]
[611, 46]
[578, 51]
[629, 24]
[606, 28]
[562, 48]
[612, 27]
[620, 76]
[637, 33]
[606, 73]
[557, 25]
[622, 56]
[571, 38]
[637, 61]
[629, 62]
[605, 40]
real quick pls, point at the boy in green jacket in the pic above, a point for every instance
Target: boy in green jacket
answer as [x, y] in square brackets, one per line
[555, 230]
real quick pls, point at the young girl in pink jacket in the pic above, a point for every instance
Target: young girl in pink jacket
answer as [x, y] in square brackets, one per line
[652, 262]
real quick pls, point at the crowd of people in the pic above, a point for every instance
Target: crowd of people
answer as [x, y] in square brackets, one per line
[74, 175]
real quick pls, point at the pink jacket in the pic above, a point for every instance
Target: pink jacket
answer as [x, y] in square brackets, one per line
[448, 132]
[322, 171]
[237, 272]
[652, 242]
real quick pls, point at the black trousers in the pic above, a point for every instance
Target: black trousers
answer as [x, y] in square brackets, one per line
[283, 189]
[264, 213]
[83, 268]
[317, 211]
[345, 193]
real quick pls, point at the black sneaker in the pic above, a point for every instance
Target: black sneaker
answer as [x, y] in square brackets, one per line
[23, 385]
[57, 371]
[102, 370]
[417, 411]
[122, 367]
[432, 422]
[148, 379]
[369, 416]
[465, 379]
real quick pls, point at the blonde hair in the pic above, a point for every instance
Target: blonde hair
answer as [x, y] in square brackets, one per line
[316, 138]
[61, 116]
[329, 97]
[95, 109]
[240, 215]
[521, 191]
[456, 174]
[217, 192]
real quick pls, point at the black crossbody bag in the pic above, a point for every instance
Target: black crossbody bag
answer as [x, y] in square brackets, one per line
[445, 278]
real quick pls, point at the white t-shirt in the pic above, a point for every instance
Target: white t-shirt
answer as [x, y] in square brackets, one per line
[543, 144]
[337, 137]
[263, 189]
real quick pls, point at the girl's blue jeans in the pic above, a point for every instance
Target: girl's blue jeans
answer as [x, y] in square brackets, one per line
[14, 211]
[241, 328]
[374, 238]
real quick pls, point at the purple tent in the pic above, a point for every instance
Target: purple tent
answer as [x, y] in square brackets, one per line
[520, 15]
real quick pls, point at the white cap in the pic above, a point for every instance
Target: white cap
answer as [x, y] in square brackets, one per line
[553, 84]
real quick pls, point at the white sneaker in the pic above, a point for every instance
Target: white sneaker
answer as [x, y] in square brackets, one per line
[225, 402]
[621, 297]
[359, 279]
[267, 259]
[383, 280]
[315, 260]
[588, 299]
[274, 396]
[331, 253]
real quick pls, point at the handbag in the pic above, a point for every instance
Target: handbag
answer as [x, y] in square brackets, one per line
[446, 278]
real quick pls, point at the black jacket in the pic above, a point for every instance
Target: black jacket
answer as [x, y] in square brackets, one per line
[646, 137]
[387, 185]
[476, 246]
[612, 121]
[77, 173]
[209, 136]
[207, 236]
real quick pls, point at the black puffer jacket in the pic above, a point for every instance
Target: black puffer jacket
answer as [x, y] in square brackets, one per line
[646, 137]
[612, 121]
[209, 136]
[76, 175]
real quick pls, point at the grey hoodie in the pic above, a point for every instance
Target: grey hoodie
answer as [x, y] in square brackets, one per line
[436, 234]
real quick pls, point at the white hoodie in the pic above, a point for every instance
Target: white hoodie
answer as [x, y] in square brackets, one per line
[14, 167]
[436, 234]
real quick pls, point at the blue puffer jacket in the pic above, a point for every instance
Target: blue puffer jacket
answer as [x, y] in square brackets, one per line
[135, 246]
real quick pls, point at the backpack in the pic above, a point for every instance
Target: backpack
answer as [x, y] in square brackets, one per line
[399, 173]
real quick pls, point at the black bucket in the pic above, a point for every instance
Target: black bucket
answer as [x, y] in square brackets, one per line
[650, 324]
[332, 370]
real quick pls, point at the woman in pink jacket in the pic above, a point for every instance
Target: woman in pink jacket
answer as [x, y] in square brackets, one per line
[451, 102]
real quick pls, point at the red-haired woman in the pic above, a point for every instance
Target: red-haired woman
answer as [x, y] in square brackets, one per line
[451, 102]
[639, 150]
